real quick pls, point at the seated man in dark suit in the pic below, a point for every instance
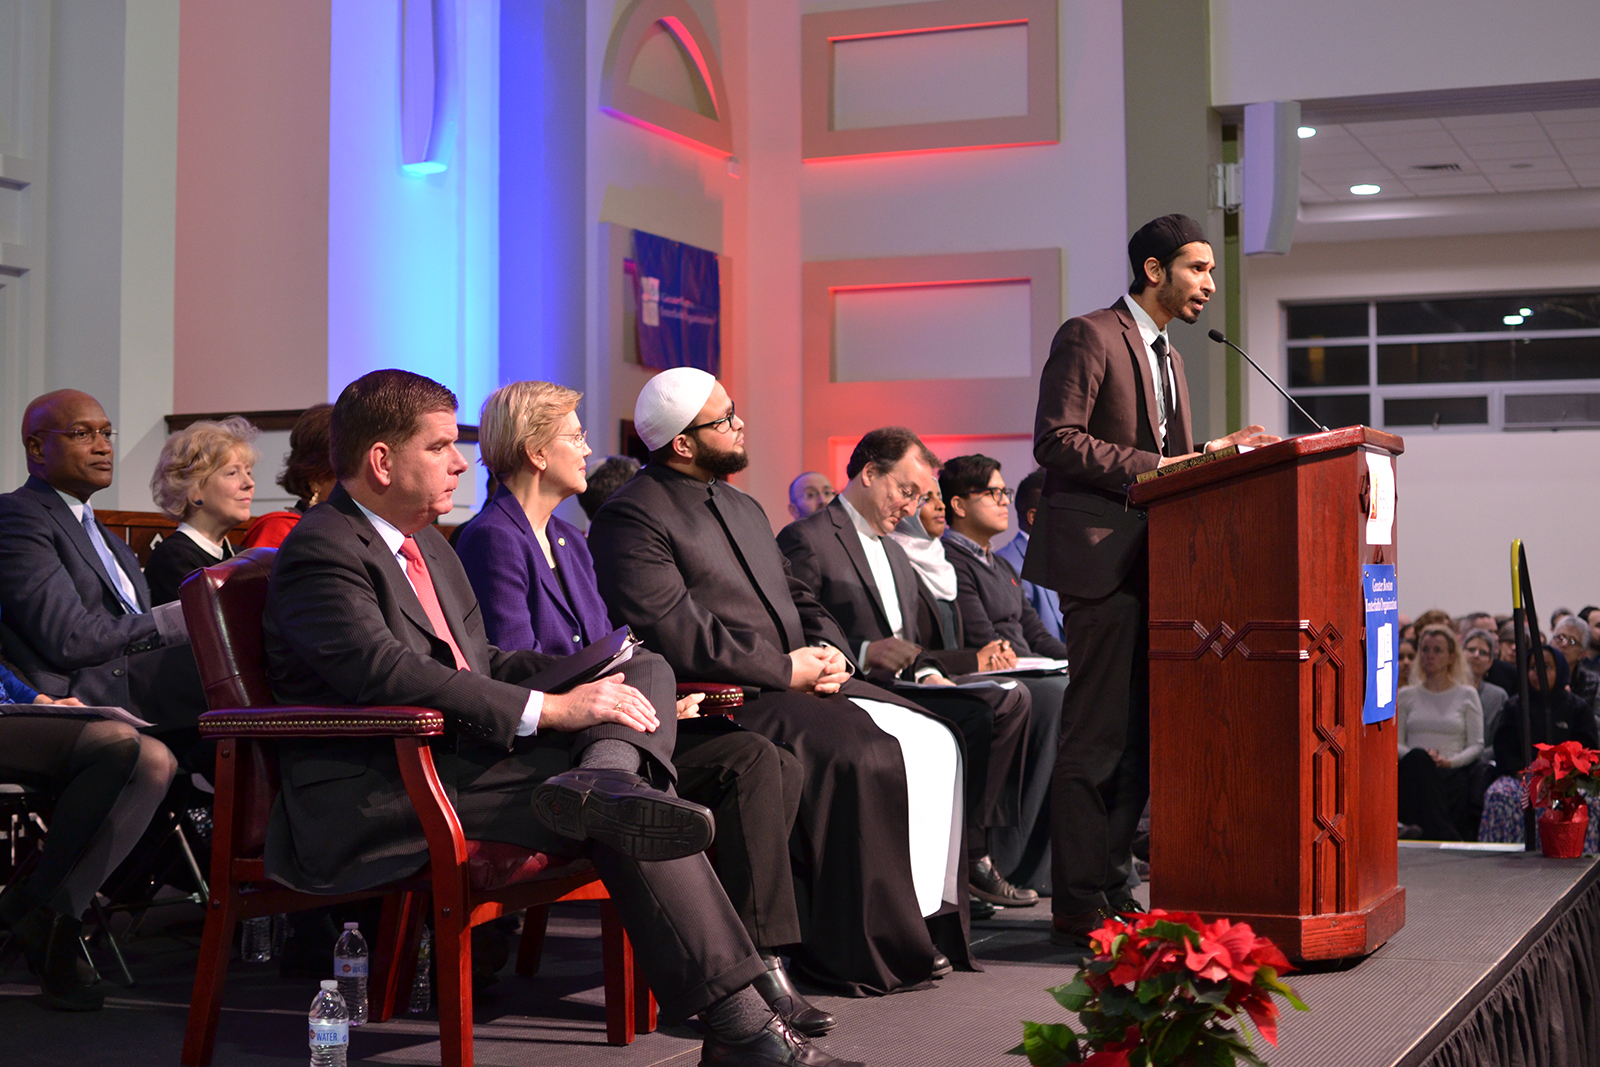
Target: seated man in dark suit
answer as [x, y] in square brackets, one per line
[866, 582]
[75, 613]
[1046, 603]
[368, 605]
[994, 606]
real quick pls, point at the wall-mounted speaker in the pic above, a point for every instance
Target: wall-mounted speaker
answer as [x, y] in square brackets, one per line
[1271, 176]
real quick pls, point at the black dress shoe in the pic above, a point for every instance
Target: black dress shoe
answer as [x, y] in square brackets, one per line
[782, 997]
[980, 909]
[619, 810]
[1072, 931]
[942, 967]
[63, 985]
[776, 1046]
[986, 883]
[1126, 905]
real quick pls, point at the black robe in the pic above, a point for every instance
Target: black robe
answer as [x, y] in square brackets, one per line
[694, 569]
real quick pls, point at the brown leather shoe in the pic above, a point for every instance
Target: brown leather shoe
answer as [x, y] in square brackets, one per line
[1072, 931]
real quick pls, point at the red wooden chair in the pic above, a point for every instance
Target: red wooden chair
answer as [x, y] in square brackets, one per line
[469, 882]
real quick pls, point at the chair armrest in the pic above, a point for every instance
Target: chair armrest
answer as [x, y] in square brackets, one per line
[720, 697]
[294, 721]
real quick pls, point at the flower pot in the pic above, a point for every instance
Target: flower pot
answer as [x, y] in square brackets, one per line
[1561, 833]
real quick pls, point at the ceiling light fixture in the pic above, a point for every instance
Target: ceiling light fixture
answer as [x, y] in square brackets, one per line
[1306, 131]
[1525, 311]
[1366, 190]
[1512, 320]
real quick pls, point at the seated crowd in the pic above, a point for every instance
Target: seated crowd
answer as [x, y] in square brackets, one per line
[884, 782]
[1460, 718]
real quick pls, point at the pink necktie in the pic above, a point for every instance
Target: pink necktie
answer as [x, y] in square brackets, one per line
[417, 571]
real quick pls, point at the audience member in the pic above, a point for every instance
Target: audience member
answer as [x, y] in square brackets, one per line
[75, 611]
[810, 491]
[106, 780]
[1570, 636]
[1432, 617]
[1440, 725]
[994, 606]
[1046, 603]
[690, 564]
[367, 603]
[866, 582]
[1478, 647]
[307, 474]
[1552, 719]
[205, 479]
[1475, 620]
[535, 583]
[1405, 655]
[604, 480]
[1591, 615]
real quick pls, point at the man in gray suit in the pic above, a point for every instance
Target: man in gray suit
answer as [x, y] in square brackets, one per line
[1113, 403]
[75, 614]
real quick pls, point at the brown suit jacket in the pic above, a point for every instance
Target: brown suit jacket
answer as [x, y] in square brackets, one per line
[1097, 429]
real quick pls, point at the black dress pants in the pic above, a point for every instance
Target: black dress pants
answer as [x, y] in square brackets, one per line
[753, 788]
[994, 728]
[689, 939]
[1437, 798]
[1021, 848]
[1102, 771]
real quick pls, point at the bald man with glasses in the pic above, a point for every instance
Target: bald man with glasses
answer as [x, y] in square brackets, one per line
[75, 612]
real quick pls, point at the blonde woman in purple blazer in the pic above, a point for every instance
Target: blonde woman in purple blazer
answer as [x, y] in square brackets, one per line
[535, 580]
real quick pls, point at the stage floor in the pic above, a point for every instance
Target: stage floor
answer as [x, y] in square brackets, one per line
[1468, 916]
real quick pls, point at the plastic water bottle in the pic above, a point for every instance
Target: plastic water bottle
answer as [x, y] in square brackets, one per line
[350, 969]
[330, 1027]
[255, 939]
[422, 983]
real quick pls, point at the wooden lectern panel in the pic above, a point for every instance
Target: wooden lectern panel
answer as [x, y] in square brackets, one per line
[1271, 802]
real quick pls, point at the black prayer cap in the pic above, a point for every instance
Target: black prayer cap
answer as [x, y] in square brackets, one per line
[1159, 238]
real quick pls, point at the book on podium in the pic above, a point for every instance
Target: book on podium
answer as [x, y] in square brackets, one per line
[1272, 801]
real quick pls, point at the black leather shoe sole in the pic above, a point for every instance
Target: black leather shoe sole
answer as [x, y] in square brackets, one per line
[628, 816]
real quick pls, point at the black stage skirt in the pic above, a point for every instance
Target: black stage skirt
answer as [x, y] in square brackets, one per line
[863, 934]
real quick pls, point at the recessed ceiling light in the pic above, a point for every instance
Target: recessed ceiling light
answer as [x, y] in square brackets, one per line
[1366, 190]
[1525, 311]
[1512, 320]
[1307, 131]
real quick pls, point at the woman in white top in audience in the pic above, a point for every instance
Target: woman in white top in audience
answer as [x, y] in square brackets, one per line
[1440, 723]
[1479, 648]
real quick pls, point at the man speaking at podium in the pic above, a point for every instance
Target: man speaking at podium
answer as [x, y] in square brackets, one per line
[1113, 403]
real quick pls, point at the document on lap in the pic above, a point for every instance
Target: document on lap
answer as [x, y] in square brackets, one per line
[73, 711]
[1031, 665]
[587, 664]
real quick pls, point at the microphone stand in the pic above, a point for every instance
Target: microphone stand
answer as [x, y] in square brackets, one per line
[1217, 336]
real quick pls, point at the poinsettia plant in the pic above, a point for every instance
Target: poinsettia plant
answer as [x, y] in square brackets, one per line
[1161, 989]
[1560, 776]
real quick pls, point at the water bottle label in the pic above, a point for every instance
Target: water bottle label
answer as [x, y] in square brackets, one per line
[347, 967]
[330, 1033]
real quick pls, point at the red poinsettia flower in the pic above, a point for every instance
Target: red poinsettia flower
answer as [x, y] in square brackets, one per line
[1224, 952]
[1263, 1012]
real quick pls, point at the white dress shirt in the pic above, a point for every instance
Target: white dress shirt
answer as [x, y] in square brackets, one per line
[883, 576]
[1164, 382]
[393, 538]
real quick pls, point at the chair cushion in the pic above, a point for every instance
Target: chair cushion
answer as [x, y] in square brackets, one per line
[222, 606]
[495, 865]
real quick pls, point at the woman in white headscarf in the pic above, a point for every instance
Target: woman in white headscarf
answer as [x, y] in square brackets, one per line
[919, 534]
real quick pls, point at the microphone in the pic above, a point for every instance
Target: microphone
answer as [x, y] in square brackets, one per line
[1217, 336]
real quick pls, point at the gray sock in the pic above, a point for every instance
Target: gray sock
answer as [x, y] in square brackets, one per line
[739, 1017]
[612, 754]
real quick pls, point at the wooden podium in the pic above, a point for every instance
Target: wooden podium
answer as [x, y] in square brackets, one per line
[1271, 803]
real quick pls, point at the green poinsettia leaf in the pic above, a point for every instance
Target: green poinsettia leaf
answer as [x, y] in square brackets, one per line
[1210, 1052]
[1048, 1044]
[1075, 995]
[1213, 995]
[1267, 977]
[1171, 931]
[1175, 1041]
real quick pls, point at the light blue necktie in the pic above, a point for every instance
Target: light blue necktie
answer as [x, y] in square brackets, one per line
[107, 560]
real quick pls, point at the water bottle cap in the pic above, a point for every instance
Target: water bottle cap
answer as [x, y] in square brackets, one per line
[352, 926]
[330, 985]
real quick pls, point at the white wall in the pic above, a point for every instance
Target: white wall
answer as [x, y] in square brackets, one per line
[1462, 496]
[1313, 49]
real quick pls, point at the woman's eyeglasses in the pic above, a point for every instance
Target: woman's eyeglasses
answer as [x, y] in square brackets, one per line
[580, 438]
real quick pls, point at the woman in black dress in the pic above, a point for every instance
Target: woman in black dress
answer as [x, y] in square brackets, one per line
[204, 480]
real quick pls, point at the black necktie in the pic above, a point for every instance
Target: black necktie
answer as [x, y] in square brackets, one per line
[1163, 387]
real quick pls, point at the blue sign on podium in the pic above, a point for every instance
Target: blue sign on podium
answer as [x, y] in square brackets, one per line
[1383, 639]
